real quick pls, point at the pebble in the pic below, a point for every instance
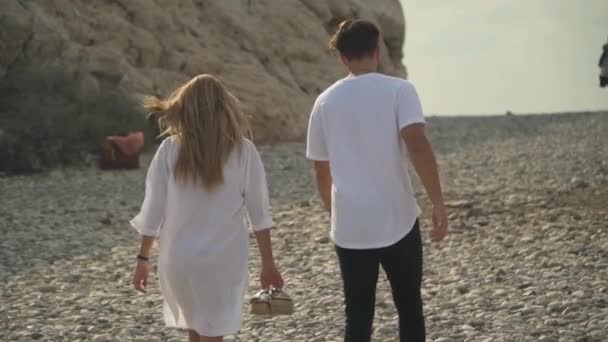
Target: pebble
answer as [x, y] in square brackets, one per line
[444, 339]
[579, 294]
[47, 288]
[102, 338]
[555, 306]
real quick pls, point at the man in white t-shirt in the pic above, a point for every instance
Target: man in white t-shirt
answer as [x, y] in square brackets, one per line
[362, 131]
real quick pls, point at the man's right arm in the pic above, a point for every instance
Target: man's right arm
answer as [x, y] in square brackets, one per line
[324, 182]
[316, 150]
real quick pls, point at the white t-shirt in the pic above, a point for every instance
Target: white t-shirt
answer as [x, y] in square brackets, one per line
[355, 125]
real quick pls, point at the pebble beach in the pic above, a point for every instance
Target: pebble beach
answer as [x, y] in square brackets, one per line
[526, 258]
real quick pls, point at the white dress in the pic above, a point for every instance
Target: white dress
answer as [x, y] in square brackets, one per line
[203, 238]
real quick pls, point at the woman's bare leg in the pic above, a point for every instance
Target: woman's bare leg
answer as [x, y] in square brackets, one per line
[193, 336]
[211, 339]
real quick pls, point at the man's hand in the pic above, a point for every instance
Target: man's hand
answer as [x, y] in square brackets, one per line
[440, 223]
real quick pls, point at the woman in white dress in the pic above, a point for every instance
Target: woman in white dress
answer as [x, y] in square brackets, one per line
[204, 179]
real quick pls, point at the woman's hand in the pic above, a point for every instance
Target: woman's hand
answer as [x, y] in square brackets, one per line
[140, 275]
[271, 277]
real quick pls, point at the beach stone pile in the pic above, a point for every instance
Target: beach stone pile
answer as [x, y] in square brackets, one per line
[526, 258]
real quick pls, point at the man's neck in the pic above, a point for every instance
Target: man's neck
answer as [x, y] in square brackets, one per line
[364, 66]
[361, 71]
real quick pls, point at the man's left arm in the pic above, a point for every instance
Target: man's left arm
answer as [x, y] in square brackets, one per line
[424, 162]
[411, 128]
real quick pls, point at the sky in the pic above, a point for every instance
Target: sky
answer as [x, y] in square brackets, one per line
[490, 56]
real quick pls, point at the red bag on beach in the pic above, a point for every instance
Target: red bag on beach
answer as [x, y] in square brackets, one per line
[121, 152]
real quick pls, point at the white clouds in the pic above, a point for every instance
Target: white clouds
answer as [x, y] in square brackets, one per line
[482, 56]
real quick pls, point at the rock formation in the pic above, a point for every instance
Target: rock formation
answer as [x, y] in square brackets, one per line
[271, 53]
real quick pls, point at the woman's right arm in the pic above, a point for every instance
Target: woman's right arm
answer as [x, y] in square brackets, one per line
[150, 218]
[152, 213]
[146, 245]
[142, 269]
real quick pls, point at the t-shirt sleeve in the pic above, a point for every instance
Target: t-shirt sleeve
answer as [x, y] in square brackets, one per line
[256, 191]
[152, 213]
[316, 145]
[409, 109]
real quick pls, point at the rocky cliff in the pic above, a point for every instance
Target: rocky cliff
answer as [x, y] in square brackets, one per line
[271, 53]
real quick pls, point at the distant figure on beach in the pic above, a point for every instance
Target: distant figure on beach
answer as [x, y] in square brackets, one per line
[362, 130]
[206, 175]
[603, 64]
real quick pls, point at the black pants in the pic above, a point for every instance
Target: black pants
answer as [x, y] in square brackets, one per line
[402, 263]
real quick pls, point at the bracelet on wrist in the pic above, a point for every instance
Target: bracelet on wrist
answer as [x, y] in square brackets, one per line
[143, 258]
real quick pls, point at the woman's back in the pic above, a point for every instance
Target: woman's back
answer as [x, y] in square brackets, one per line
[215, 214]
[203, 179]
[180, 208]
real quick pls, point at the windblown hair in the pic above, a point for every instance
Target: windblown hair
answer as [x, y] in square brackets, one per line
[208, 124]
[355, 39]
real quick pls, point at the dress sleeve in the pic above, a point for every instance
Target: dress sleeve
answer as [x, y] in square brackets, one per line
[256, 190]
[151, 216]
[409, 109]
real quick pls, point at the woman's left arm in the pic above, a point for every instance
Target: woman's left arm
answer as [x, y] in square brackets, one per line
[258, 207]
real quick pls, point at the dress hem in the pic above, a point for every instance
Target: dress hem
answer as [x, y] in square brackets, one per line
[208, 334]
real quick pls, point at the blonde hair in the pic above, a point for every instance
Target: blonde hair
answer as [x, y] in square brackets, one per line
[209, 125]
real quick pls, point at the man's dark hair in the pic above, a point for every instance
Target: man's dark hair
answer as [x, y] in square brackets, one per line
[355, 39]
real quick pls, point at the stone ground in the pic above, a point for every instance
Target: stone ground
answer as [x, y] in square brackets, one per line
[526, 259]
